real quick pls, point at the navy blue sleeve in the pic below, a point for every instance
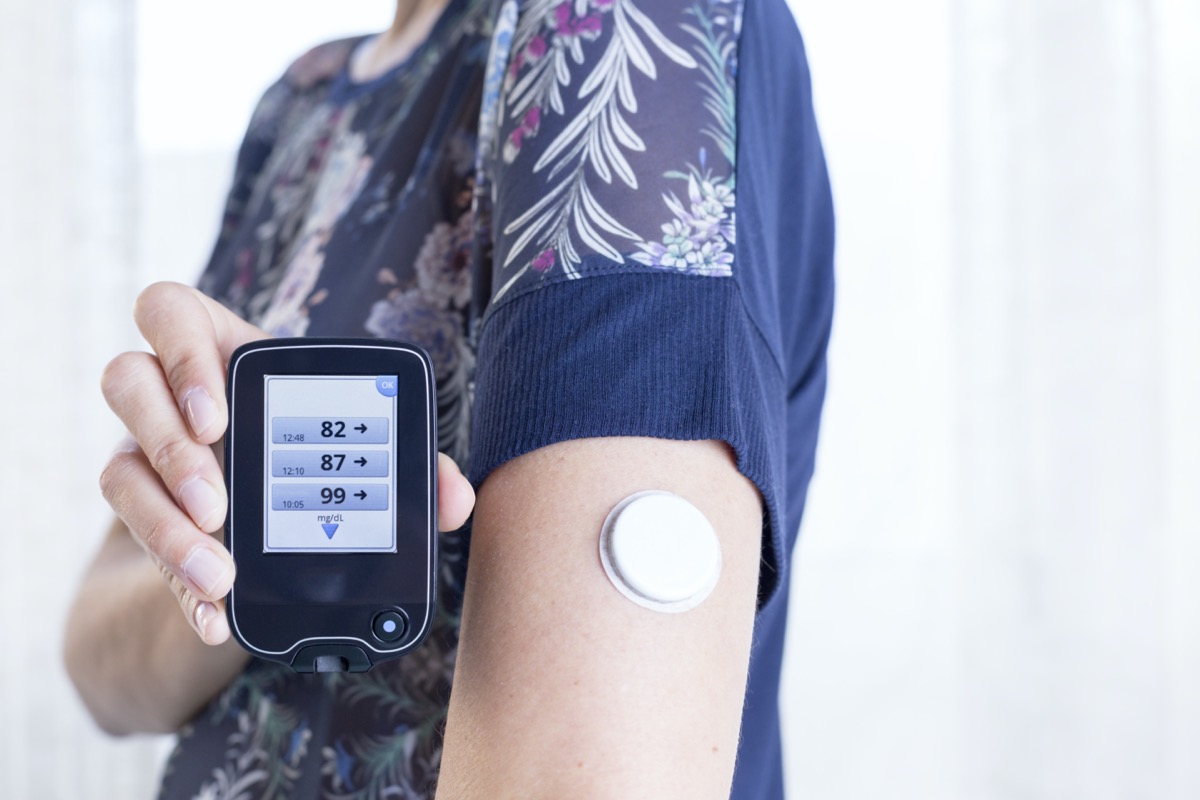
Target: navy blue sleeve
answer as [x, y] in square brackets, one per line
[616, 306]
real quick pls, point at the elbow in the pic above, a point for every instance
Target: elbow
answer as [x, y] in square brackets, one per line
[116, 712]
[113, 715]
[80, 668]
[79, 662]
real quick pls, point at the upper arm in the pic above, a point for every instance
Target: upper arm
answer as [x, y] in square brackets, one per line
[563, 687]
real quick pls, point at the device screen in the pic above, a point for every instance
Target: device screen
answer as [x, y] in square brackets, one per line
[330, 450]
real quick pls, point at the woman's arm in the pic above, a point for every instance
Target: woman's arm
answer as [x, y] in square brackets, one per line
[138, 663]
[563, 687]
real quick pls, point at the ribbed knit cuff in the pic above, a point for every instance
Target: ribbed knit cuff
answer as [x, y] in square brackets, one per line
[664, 356]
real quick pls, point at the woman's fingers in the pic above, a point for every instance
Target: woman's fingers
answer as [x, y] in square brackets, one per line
[173, 401]
[202, 566]
[166, 485]
[136, 390]
[193, 337]
[456, 498]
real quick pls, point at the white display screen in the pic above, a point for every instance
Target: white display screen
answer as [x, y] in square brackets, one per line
[330, 462]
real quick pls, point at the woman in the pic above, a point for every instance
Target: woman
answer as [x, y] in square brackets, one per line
[609, 223]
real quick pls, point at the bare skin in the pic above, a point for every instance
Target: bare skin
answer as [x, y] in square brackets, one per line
[563, 687]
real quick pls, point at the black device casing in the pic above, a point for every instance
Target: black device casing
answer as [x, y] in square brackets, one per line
[314, 611]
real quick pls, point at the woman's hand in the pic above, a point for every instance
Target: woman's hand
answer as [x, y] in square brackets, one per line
[165, 483]
[137, 664]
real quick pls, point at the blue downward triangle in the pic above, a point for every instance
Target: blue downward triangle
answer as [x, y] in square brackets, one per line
[330, 528]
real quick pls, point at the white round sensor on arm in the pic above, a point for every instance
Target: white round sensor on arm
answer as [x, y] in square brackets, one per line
[660, 551]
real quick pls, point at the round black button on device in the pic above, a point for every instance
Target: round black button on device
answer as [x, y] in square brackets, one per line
[389, 625]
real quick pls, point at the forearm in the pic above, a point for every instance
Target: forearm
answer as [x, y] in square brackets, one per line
[136, 663]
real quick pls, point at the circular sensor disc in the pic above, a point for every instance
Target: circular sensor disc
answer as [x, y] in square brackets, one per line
[660, 551]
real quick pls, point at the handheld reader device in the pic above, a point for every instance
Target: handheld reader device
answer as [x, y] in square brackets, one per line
[331, 469]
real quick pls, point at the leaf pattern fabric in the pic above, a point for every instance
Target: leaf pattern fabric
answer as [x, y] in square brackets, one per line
[589, 84]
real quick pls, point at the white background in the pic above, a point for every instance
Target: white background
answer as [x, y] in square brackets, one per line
[998, 589]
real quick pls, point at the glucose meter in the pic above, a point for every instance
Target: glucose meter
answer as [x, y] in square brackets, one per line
[331, 469]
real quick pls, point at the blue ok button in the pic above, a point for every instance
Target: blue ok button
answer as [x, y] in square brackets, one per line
[387, 385]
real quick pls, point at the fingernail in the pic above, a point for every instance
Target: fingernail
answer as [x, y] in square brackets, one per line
[218, 627]
[207, 571]
[201, 501]
[211, 623]
[204, 613]
[200, 409]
